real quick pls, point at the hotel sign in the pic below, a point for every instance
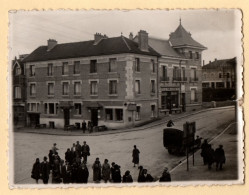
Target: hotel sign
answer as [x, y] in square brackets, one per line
[170, 88]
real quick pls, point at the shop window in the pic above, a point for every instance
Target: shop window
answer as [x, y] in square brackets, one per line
[113, 65]
[138, 113]
[76, 67]
[32, 70]
[153, 86]
[93, 66]
[65, 68]
[77, 108]
[119, 114]
[94, 88]
[153, 111]
[77, 88]
[51, 108]
[17, 93]
[50, 70]
[50, 88]
[32, 89]
[137, 87]
[109, 114]
[137, 65]
[113, 87]
[65, 88]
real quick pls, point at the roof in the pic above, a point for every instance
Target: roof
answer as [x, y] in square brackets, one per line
[19, 62]
[106, 46]
[220, 63]
[163, 47]
[183, 38]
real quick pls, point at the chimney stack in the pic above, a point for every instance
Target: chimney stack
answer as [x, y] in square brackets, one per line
[215, 59]
[98, 37]
[51, 44]
[131, 36]
[143, 40]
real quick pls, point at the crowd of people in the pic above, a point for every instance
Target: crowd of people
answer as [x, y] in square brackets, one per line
[211, 156]
[74, 169]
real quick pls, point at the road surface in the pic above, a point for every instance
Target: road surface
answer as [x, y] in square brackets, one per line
[116, 147]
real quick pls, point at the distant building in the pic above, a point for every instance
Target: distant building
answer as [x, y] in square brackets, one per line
[19, 91]
[219, 74]
[179, 72]
[109, 81]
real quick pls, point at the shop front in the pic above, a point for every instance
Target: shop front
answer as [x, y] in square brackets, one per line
[169, 99]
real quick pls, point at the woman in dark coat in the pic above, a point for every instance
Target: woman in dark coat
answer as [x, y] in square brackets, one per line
[106, 171]
[140, 174]
[96, 170]
[35, 174]
[210, 156]
[220, 158]
[85, 173]
[116, 177]
[135, 156]
[127, 177]
[165, 176]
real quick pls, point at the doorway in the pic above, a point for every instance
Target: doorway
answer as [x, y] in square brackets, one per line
[94, 116]
[66, 116]
[183, 103]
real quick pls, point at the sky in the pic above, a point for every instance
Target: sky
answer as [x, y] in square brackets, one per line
[218, 30]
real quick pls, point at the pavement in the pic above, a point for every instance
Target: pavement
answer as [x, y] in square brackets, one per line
[199, 172]
[75, 132]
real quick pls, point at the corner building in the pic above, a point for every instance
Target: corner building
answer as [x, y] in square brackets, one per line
[109, 81]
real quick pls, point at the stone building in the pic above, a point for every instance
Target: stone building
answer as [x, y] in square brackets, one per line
[109, 81]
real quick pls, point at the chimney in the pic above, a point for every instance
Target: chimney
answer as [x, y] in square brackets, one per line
[51, 44]
[215, 59]
[209, 61]
[98, 37]
[131, 36]
[143, 40]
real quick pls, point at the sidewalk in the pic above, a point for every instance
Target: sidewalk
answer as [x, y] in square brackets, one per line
[199, 172]
[147, 126]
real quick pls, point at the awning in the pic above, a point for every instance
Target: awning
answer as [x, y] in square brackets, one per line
[66, 104]
[132, 107]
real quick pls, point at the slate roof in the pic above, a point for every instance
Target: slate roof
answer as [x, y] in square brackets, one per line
[183, 38]
[163, 47]
[220, 63]
[107, 46]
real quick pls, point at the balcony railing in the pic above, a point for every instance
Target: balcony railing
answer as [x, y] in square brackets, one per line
[193, 79]
[164, 79]
[180, 79]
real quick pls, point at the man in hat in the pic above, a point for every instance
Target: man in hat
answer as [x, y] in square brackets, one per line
[85, 151]
[45, 170]
[219, 157]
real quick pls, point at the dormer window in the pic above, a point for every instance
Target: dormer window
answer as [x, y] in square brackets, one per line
[18, 70]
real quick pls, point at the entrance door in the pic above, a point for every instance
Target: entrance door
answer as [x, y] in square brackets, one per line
[34, 119]
[94, 117]
[66, 116]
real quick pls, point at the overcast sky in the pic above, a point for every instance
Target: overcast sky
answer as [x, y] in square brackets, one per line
[219, 30]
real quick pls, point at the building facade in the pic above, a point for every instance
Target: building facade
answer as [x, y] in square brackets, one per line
[108, 81]
[179, 72]
[19, 92]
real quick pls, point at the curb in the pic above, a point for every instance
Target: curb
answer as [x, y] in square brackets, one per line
[134, 129]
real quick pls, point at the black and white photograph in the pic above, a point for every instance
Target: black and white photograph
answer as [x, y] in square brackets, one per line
[125, 98]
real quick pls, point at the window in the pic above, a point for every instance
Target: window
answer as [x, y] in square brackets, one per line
[94, 88]
[119, 114]
[33, 107]
[205, 76]
[65, 68]
[32, 89]
[176, 74]
[45, 108]
[220, 85]
[65, 88]
[113, 65]
[77, 88]
[137, 86]
[137, 65]
[153, 66]
[32, 70]
[220, 75]
[190, 55]
[183, 74]
[51, 108]
[153, 86]
[56, 108]
[153, 110]
[17, 93]
[205, 85]
[93, 66]
[197, 55]
[193, 95]
[50, 88]
[50, 69]
[77, 108]
[228, 75]
[164, 73]
[138, 113]
[193, 74]
[18, 70]
[76, 67]
[113, 87]
[108, 114]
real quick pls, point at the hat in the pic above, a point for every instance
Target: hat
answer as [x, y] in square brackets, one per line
[55, 144]
[166, 169]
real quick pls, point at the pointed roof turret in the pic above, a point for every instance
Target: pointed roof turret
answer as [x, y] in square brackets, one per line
[183, 38]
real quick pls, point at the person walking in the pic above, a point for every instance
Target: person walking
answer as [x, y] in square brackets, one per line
[127, 177]
[165, 176]
[210, 156]
[45, 170]
[85, 152]
[204, 147]
[96, 170]
[84, 126]
[106, 171]
[135, 156]
[220, 157]
[35, 174]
